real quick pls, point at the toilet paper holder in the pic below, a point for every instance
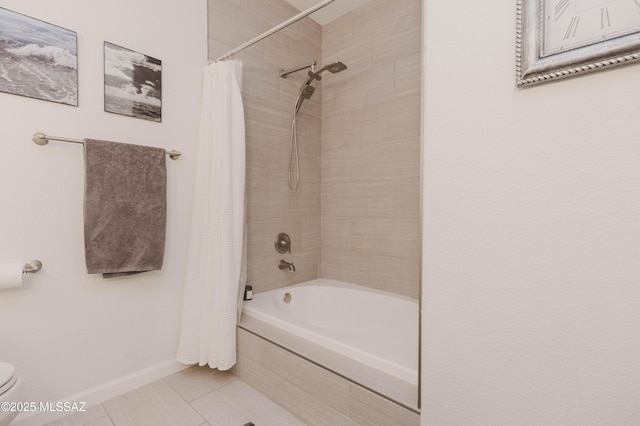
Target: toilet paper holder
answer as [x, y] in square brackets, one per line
[31, 267]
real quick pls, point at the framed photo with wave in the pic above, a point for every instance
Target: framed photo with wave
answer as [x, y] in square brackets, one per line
[37, 59]
[132, 83]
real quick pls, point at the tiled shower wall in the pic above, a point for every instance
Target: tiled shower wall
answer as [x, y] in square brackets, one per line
[356, 216]
[371, 147]
[268, 103]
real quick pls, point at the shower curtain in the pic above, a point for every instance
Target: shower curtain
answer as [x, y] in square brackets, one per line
[214, 278]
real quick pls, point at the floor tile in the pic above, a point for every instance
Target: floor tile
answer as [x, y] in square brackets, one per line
[105, 421]
[155, 404]
[196, 381]
[238, 403]
[81, 418]
[218, 412]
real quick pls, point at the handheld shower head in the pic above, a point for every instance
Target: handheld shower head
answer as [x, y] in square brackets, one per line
[306, 90]
[305, 93]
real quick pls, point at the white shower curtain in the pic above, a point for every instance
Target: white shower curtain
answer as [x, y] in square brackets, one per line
[213, 277]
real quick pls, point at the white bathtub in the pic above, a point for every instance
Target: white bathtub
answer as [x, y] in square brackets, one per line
[376, 328]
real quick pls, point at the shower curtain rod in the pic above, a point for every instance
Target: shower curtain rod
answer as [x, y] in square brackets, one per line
[274, 29]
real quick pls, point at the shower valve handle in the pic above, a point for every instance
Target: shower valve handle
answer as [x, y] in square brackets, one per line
[283, 243]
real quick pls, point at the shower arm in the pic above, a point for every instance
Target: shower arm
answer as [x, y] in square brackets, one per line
[285, 73]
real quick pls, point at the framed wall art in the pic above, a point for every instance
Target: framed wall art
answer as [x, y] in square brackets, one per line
[564, 38]
[37, 59]
[132, 83]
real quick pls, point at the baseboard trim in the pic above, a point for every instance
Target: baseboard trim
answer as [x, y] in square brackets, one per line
[99, 394]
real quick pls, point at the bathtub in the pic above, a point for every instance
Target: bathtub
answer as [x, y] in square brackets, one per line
[376, 328]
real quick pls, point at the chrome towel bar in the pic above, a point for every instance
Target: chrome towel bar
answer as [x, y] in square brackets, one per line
[42, 139]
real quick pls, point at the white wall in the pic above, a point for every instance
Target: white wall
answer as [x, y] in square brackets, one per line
[531, 234]
[65, 331]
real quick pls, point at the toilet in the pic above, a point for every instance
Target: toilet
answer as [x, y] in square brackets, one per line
[9, 392]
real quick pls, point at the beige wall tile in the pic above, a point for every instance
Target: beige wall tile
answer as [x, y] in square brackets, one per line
[386, 237]
[313, 394]
[395, 274]
[408, 75]
[359, 139]
[296, 399]
[327, 387]
[371, 148]
[370, 409]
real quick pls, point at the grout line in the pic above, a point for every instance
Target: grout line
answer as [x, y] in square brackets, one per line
[215, 390]
[108, 416]
[174, 390]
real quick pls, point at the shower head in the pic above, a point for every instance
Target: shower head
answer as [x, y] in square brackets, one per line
[306, 90]
[332, 68]
[335, 67]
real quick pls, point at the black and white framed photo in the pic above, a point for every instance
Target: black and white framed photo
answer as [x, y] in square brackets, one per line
[565, 38]
[132, 83]
[37, 59]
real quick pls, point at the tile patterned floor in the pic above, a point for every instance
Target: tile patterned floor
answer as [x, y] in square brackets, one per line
[198, 396]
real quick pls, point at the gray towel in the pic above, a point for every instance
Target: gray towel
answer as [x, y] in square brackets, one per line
[125, 208]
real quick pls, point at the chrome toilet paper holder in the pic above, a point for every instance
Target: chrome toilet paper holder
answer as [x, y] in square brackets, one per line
[31, 267]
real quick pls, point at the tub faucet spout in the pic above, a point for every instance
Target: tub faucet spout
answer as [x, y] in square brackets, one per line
[287, 265]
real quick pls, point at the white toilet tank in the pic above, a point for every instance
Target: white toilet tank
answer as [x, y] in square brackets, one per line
[9, 392]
